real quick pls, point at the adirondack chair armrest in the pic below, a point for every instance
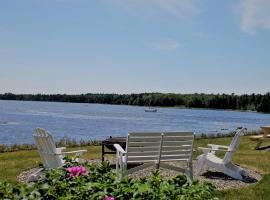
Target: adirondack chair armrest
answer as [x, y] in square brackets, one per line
[74, 152]
[60, 149]
[208, 150]
[218, 147]
[205, 150]
[119, 148]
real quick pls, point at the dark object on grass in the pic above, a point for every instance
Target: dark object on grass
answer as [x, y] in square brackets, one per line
[109, 142]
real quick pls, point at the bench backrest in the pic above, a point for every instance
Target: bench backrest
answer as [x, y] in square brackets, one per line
[177, 146]
[159, 146]
[47, 149]
[143, 147]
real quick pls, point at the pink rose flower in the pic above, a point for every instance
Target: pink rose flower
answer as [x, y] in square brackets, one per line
[77, 171]
[108, 198]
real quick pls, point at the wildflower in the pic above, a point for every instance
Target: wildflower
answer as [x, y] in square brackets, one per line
[108, 198]
[77, 171]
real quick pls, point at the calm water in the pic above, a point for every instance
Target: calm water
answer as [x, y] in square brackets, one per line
[96, 121]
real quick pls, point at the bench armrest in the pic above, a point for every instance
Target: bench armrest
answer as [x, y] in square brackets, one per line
[119, 148]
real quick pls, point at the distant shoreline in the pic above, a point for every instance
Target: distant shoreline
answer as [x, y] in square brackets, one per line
[252, 102]
[171, 107]
[182, 107]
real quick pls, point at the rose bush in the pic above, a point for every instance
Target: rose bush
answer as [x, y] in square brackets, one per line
[97, 181]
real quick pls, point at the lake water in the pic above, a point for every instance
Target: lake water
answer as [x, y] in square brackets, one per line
[18, 119]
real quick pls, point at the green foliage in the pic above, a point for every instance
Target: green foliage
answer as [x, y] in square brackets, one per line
[102, 181]
[254, 102]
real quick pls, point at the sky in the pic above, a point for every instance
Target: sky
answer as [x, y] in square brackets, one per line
[134, 46]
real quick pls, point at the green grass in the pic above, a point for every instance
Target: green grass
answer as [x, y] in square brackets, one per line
[259, 191]
[11, 164]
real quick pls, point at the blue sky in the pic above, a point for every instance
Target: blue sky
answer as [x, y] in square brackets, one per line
[132, 46]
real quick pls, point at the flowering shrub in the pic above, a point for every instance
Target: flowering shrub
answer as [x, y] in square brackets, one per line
[108, 198]
[77, 171]
[99, 182]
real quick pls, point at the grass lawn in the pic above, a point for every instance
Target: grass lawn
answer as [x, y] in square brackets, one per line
[11, 164]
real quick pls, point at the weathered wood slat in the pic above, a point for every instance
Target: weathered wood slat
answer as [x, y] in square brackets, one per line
[157, 144]
[144, 139]
[144, 134]
[142, 158]
[144, 144]
[178, 133]
[177, 143]
[164, 148]
[180, 138]
[145, 153]
[182, 147]
[136, 149]
[181, 152]
[174, 157]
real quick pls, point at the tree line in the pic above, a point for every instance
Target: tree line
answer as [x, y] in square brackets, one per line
[253, 102]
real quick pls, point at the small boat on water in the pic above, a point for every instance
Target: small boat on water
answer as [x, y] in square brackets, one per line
[3, 121]
[150, 109]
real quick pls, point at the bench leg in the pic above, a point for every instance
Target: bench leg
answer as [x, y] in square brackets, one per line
[102, 153]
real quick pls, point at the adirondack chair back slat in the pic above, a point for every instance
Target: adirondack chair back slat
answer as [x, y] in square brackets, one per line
[47, 149]
[233, 146]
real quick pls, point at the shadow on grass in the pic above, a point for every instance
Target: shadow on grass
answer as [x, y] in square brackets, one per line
[222, 176]
[264, 148]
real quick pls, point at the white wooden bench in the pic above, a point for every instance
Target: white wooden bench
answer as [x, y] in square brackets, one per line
[156, 149]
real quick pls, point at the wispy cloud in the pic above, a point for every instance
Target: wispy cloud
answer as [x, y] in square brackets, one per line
[179, 8]
[254, 14]
[166, 44]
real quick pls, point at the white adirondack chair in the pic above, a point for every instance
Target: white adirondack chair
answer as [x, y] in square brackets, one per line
[156, 149]
[51, 156]
[225, 165]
